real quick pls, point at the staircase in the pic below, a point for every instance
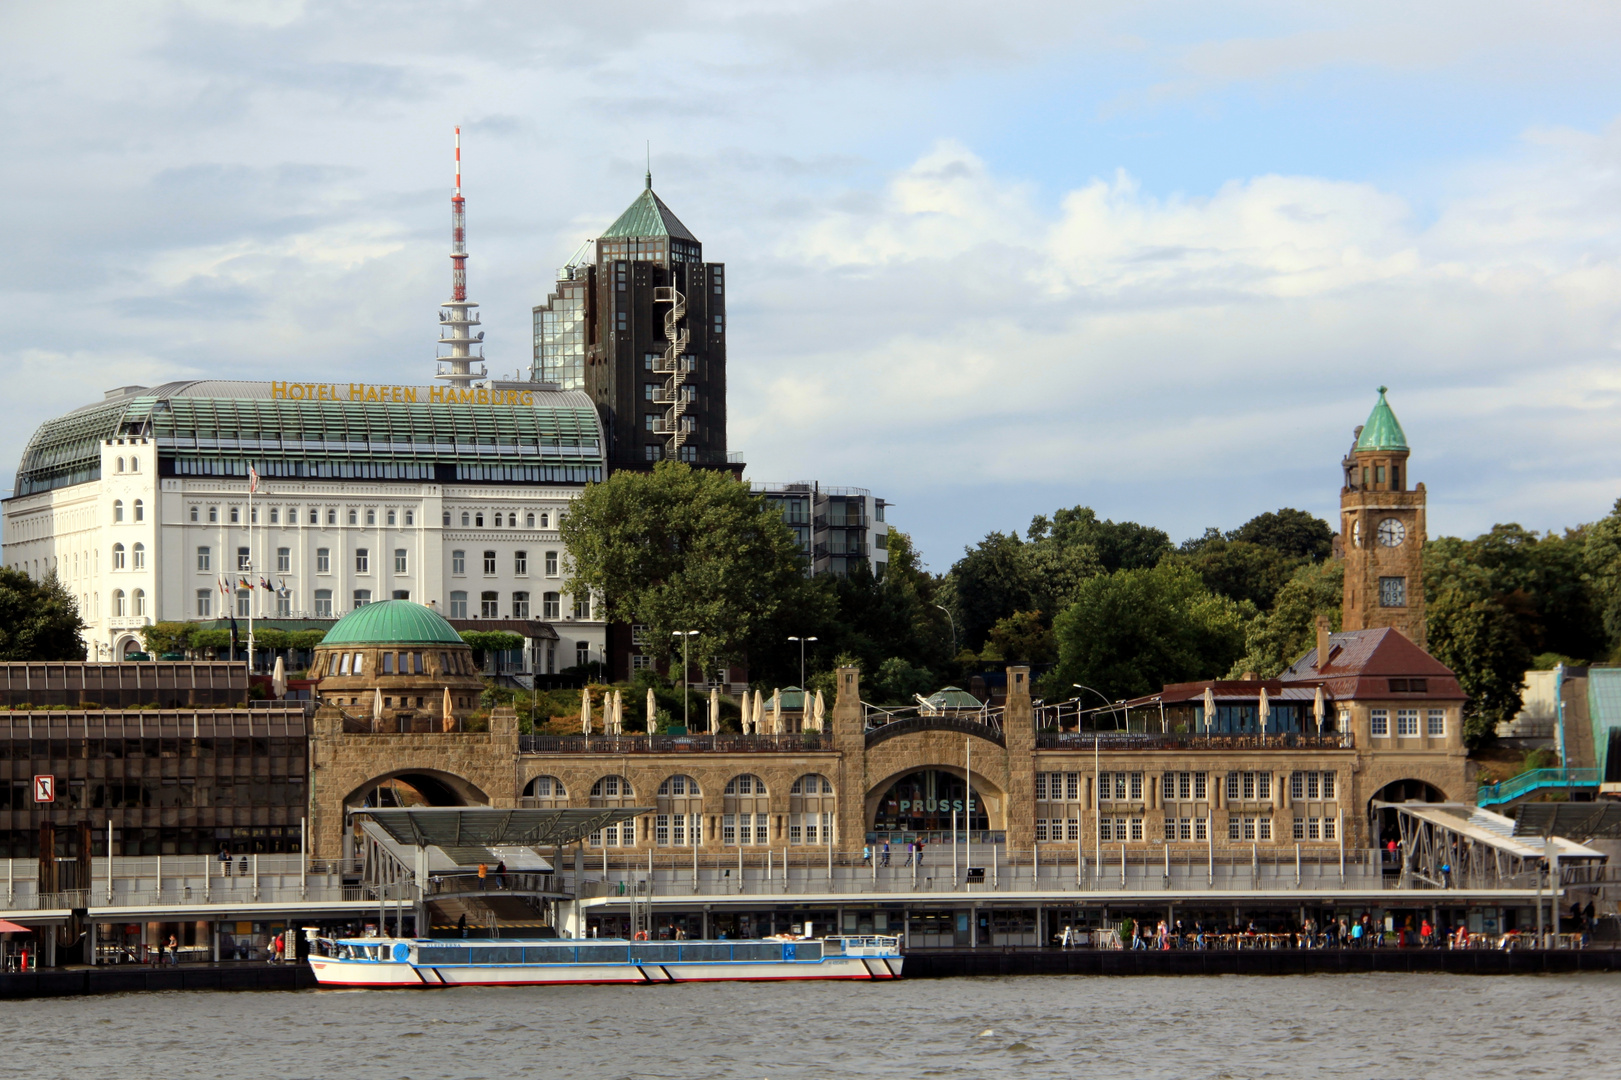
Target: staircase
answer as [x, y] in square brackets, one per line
[512, 916]
[1533, 780]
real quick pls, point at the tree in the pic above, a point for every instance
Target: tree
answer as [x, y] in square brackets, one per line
[1480, 641]
[684, 549]
[1024, 638]
[1288, 532]
[39, 620]
[488, 641]
[1131, 632]
[896, 682]
[168, 637]
[1277, 638]
[1122, 545]
[1239, 569]
[991, 581]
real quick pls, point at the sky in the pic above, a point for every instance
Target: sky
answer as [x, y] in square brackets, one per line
[986, 261]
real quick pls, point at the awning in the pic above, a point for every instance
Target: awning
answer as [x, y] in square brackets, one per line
[1588, 820]
[1495, 830]
[451, 827]
[13, 928]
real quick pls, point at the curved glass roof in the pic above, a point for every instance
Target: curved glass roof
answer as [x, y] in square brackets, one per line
[317, 430]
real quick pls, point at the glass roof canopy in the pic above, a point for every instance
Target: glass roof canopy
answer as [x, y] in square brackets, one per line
[213, 428]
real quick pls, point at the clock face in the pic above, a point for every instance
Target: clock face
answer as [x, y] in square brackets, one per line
[1392, 532]
[1356, 533]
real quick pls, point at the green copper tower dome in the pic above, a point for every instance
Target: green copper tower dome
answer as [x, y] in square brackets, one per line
[392, 622]
[1382, 431]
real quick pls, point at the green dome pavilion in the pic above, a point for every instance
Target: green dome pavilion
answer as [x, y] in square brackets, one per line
[392, 622]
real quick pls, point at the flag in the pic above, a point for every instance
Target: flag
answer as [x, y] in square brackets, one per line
[223, 590]
[282, 589]
[265, 585]
[253, 479]
[244, 583]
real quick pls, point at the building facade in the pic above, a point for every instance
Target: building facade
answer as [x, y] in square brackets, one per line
[141, 506]
[1382, 531]
[642, 331]
[836, 527]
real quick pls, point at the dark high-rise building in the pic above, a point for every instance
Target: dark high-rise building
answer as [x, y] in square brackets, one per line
[642, 330]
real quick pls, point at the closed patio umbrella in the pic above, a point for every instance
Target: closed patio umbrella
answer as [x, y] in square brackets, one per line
[714, 710]
[376, 707]
[652, 710]
[776, 711]
[821, 712]
[619, 712]
[1209, 710]
[585, 710]
[759, 710]
[1317, 709]
[278, 680]
[1265, 710]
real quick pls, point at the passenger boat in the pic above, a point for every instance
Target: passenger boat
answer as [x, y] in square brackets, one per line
[433, 962]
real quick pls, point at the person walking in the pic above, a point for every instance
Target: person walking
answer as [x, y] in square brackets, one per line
[911, 851]
[866, 854]
[483, 874]
[920, 851]
[501, 874]
[461, 924]
[174, 951]
[885, 860]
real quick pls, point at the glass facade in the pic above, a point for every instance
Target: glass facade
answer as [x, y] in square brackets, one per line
[562, 333]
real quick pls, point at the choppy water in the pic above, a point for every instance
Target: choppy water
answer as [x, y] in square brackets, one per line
[1366, 1026]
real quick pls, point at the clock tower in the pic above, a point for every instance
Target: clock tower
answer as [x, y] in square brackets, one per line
[1382, 531]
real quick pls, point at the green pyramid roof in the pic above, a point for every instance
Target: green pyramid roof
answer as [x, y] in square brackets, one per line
[648, 216]
[392, 622]
[1382, 432]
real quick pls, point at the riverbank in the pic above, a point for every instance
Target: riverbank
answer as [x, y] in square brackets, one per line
[128, 978]
[955, 963]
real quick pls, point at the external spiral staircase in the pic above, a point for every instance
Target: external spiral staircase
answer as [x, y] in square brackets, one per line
[674, 365]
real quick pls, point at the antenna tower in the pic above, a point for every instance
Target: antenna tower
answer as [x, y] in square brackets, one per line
[456, 315]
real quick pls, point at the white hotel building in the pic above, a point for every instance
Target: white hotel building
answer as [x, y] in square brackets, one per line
[447, 495]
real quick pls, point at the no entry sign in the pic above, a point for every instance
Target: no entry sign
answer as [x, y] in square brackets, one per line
[44, 789]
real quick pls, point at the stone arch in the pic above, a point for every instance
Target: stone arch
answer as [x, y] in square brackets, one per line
[435, 788]
[990, 796]
[547, 789]
[613, 789]
[1382, 820]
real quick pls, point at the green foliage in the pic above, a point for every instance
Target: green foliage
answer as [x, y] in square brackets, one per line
[1277, 638]
[1024, 638]
[1479, 639]
[488, 641]
[168, 637]
[1123, 545]
[1129, 633]
[39, 620]
[1241, 570]
[1293, 533]
[896, 682]
[684, 549]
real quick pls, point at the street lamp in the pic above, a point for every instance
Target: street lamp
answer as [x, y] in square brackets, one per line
[801, 641]
[953, 619]
[1099, 693]
[686, 637]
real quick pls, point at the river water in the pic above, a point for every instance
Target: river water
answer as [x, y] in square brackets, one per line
[1426, 1027]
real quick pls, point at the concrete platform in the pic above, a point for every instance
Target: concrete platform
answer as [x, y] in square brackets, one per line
[951, 963]
[126, 978]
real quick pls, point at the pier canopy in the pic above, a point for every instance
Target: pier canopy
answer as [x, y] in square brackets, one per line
[1589, 820]
[452, 827]
[1458, 845]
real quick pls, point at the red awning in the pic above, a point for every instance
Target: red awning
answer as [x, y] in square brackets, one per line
[13, 928]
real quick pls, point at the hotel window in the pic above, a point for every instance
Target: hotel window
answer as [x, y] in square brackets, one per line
[390, 517]
[520, 563]
[194, 515]
[489, 605]
[213, 515]
[497, 521]
[446, 519]
[410, 517]
[520, 605]
[1406, 723]
[315, 516]
[354, 517]
[118, 556]
[545, 521]
[118, 510]
[275, 516]
[551, 564]
[582, 607]
[371, 517]
[467, 519]
[323, 560]
[399, 560]
[323, 603]
[362, 560]
[244, 559]
[204, 562]
[236, 515]
[362, 597]
[253, 515]
[458, 563]
[244, 603]
[551, 606]
[284, 560]
[1437, 723]
[118, 603]
[140, 510]
[458, 605]
[489, 564]
[331, 516]
[284, 605]
[582, 653]
[1379, 723]
[139, 552]
[478, 520]
[205, 603]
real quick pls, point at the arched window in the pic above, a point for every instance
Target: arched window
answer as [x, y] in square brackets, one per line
[745, 818]
[118, 509]
[140, 510]
[810, 810]
[391, 517]
[680, 818]
[546, 789]
[139, 599]
[139, 552]
[613, 791]
[497, 521]
[118, 556]
[529, 521]
[466, 519]
[120, 464]
[134, 464]
[118, 603]
[478, 519]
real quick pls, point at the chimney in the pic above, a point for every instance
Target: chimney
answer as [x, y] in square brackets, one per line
[1322, 642]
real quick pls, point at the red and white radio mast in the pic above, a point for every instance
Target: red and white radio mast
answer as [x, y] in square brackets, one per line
[456, 317]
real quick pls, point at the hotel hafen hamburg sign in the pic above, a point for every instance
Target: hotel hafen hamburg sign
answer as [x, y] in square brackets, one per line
[403, 395]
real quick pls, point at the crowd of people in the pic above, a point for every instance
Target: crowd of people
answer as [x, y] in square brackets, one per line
[1343, 932]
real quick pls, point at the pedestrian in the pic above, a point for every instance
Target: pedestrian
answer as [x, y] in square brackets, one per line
[920, 852]
[866, 854]
[1425, 930]
[1067, 939]
[281, 948]
[483, 874]
[1356, 936]
[911, 851]
[501, 874]
[174, 951]
[461, 924]
[886, 853]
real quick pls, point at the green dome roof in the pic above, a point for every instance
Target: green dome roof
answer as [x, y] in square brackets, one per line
[1382, 432]
[392, 622]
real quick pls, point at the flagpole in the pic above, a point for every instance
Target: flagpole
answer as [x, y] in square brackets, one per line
[252, 483]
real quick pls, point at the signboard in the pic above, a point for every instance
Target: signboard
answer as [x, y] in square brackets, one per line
[44, 789]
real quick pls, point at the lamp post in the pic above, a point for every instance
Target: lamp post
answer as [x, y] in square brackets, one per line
[686, 637]
[801, 641]
[1099, 693]
[953, 619]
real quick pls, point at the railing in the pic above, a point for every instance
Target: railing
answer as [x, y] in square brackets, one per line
[723, 743]
[913, 724]
[1190, 740]
[498, 883]
[1534, 780]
